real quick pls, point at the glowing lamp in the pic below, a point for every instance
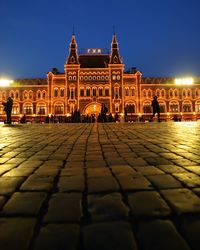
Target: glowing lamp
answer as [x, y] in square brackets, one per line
[5, 82]
[184, 81]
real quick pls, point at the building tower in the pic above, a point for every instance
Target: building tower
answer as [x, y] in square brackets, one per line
[116, 75]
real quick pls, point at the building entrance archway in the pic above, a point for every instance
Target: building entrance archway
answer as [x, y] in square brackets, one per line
[93, 108]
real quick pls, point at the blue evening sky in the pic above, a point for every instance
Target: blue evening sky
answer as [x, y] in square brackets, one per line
[159, 37]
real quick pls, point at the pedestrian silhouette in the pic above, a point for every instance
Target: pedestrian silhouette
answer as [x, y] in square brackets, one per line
[8, 109]
[156, 108]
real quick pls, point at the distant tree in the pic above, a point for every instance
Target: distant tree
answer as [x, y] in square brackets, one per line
[55, 71]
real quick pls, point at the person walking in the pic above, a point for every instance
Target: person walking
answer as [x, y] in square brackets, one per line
[8, 109]
[156, 108]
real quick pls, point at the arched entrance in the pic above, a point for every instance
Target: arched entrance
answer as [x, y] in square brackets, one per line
[93, 108]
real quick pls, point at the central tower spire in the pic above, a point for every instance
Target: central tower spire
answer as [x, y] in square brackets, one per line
[115, 57]
[73, 56]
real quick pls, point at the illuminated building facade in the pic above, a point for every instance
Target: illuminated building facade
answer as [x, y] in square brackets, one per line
[94, 78]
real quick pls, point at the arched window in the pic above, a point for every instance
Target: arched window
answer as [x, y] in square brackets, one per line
[39, 95]
[197, 106]
[162, 107]
[25, 95]
[100, 92]
[107, 92]
[88, 91]
[28, 108]
[147, 107]
[41, 109]
[132, 91]
[12, 94]
[144, 93]
[55, 92]
[30, 94]
[187, 106]
[59, 108]
[94, 91]
[163, 93]
[149, 94]
[173, 107]
[126, 91]
[184, 93]
[170, 93]
[116, 92]
[17, 94]
[116, 107]
[44, 94]
[72, 93]
[62, 93]
[130, 108]
[81, 92]
[15, 109]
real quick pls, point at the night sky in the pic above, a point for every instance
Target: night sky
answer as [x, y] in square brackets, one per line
[159, 37]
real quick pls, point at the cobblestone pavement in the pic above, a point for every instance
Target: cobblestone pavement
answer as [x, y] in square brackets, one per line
[100, 186]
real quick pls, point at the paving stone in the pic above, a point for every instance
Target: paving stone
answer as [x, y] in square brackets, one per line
[95, 164]
[15, 160]
[194, 169]
[23, 204]
[16, 233]
[122, 170]
[148, 204]
[170, 169]
[189, 179]
[3, 160]
[191, 229]
[20, 171]
[164, 181]
[184, 162]
[107, 207]
[38, 183]
[44, 171]
[135, 162]
[31, 164]
[71, 183]
[129, 183]
[160, 234]
[170, 156]
[6, 167]
[98, 172]
[196, 191]
[182, 200]
[8, 185]
[149, 170]
[2, 201]
[107, 236]
[157, 161]
[72, 172]
[74, 164]
[64, 207]
[102, 184]
[57, 237]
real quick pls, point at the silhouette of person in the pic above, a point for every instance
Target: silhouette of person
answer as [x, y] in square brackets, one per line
[8, 109]
[156, 108]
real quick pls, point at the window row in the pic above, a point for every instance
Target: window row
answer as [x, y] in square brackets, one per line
[59, 92]
[172, 93]
[25, 95]
[94, 78]
[93, 92]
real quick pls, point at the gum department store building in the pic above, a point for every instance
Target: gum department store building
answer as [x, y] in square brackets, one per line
[95, 78]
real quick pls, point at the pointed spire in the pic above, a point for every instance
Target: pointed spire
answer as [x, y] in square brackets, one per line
[73, 56]
[115, 57]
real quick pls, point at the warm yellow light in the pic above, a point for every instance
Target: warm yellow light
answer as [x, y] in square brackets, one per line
[184, 81]
[5, 82]
[140, 114]
[168, 113]
[194, 113]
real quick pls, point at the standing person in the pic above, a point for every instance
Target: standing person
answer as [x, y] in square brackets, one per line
[8, 109]
[156, 108]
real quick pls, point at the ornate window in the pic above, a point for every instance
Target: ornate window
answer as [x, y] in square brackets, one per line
[72, 93]
[28, 108]
[147, 107]
[149, 93]
[94, 91]
[100, 92]
[163, 93]
[187, 106]
[82, 92]
[114, 77]
[17, 94]
[25, 95]
[56, 92]
[174, 107]
[41, 109]
[88, 91]
[126, 91]
[132, 91]
[74, 78]
[116, 107]
[107, 92]
[197, 106]
[38, 94]
[30, 94]
[130, 108]
[62, 93]
[44, 94]
[118, 77]
[116, 92]
[144, 93]
[59, 109]
[15, 109]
